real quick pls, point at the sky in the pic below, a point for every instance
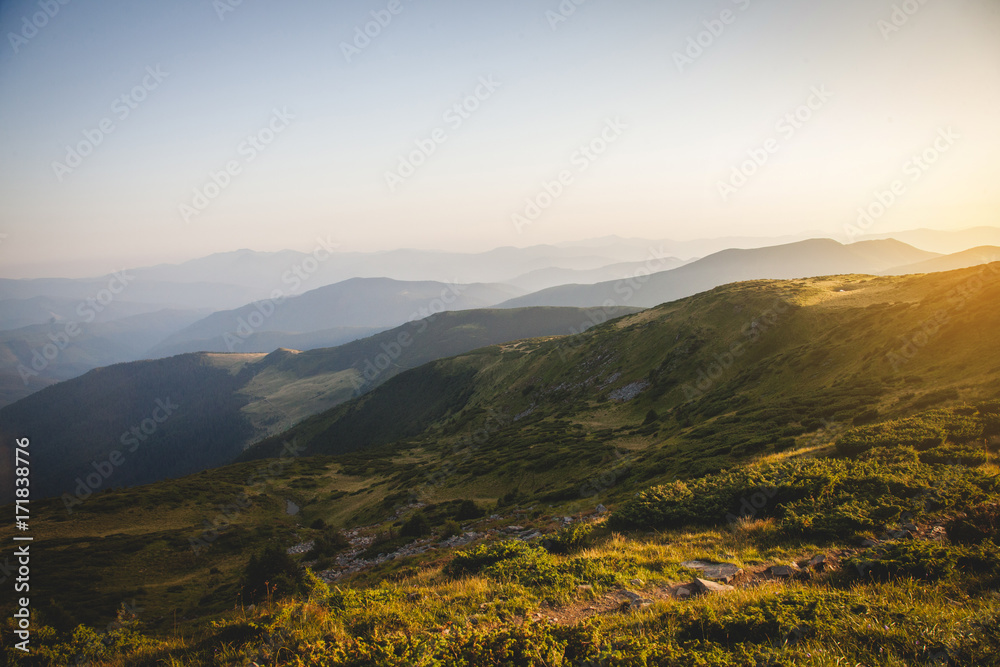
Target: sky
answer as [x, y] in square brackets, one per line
[135, 132]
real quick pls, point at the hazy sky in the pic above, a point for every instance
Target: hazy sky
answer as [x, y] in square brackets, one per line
[200, 77]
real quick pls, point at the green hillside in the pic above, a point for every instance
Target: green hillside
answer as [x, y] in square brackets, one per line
[833, 441]
[225, 402]
[785, 356]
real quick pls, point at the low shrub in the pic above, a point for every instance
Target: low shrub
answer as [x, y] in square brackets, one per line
[979, 523]
[780, 618]
[809, 498]
[913, 432]
[329, 544]
[929, 561]
[468, 511]
[416, 526]
[450, 529]
[272, 572]
[569, 539]
[480, 557]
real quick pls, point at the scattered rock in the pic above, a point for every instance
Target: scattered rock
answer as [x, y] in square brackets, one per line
[585, 588]
[869, 543]
[783, 571]
[601, 509]
[705, 586]
[818, 562]
[304, 547]
[719, 571]
[629, 391]
[683, 593]
[634, 597]
[638, 583]
[634, 604]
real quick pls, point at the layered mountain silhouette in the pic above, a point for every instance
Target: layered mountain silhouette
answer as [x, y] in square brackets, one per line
[224, 402]
[651, 286]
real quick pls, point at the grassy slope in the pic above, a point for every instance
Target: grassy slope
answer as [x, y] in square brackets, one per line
[229, 401]
[824, 358]
[823, 349]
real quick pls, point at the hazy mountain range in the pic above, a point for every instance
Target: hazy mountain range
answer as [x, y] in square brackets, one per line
[815, 257]
[226, 302]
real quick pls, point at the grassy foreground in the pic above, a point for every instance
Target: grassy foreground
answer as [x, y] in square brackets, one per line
[910, 575]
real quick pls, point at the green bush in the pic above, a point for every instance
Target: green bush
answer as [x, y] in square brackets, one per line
[923, 432]
[979, 523]
[535, 569]
[818, 497]
[925, 560]
[569, 539]
[912, 433]
[450, 529]
[327, 545]
[785, 616]
[967, 454]
[416, 526]
[478, 558]
[271, 572]
[468, 511]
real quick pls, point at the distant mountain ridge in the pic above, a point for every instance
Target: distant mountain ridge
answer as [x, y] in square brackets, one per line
[37, 356]
[364, 304]
[959, 260]
[814, 257]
